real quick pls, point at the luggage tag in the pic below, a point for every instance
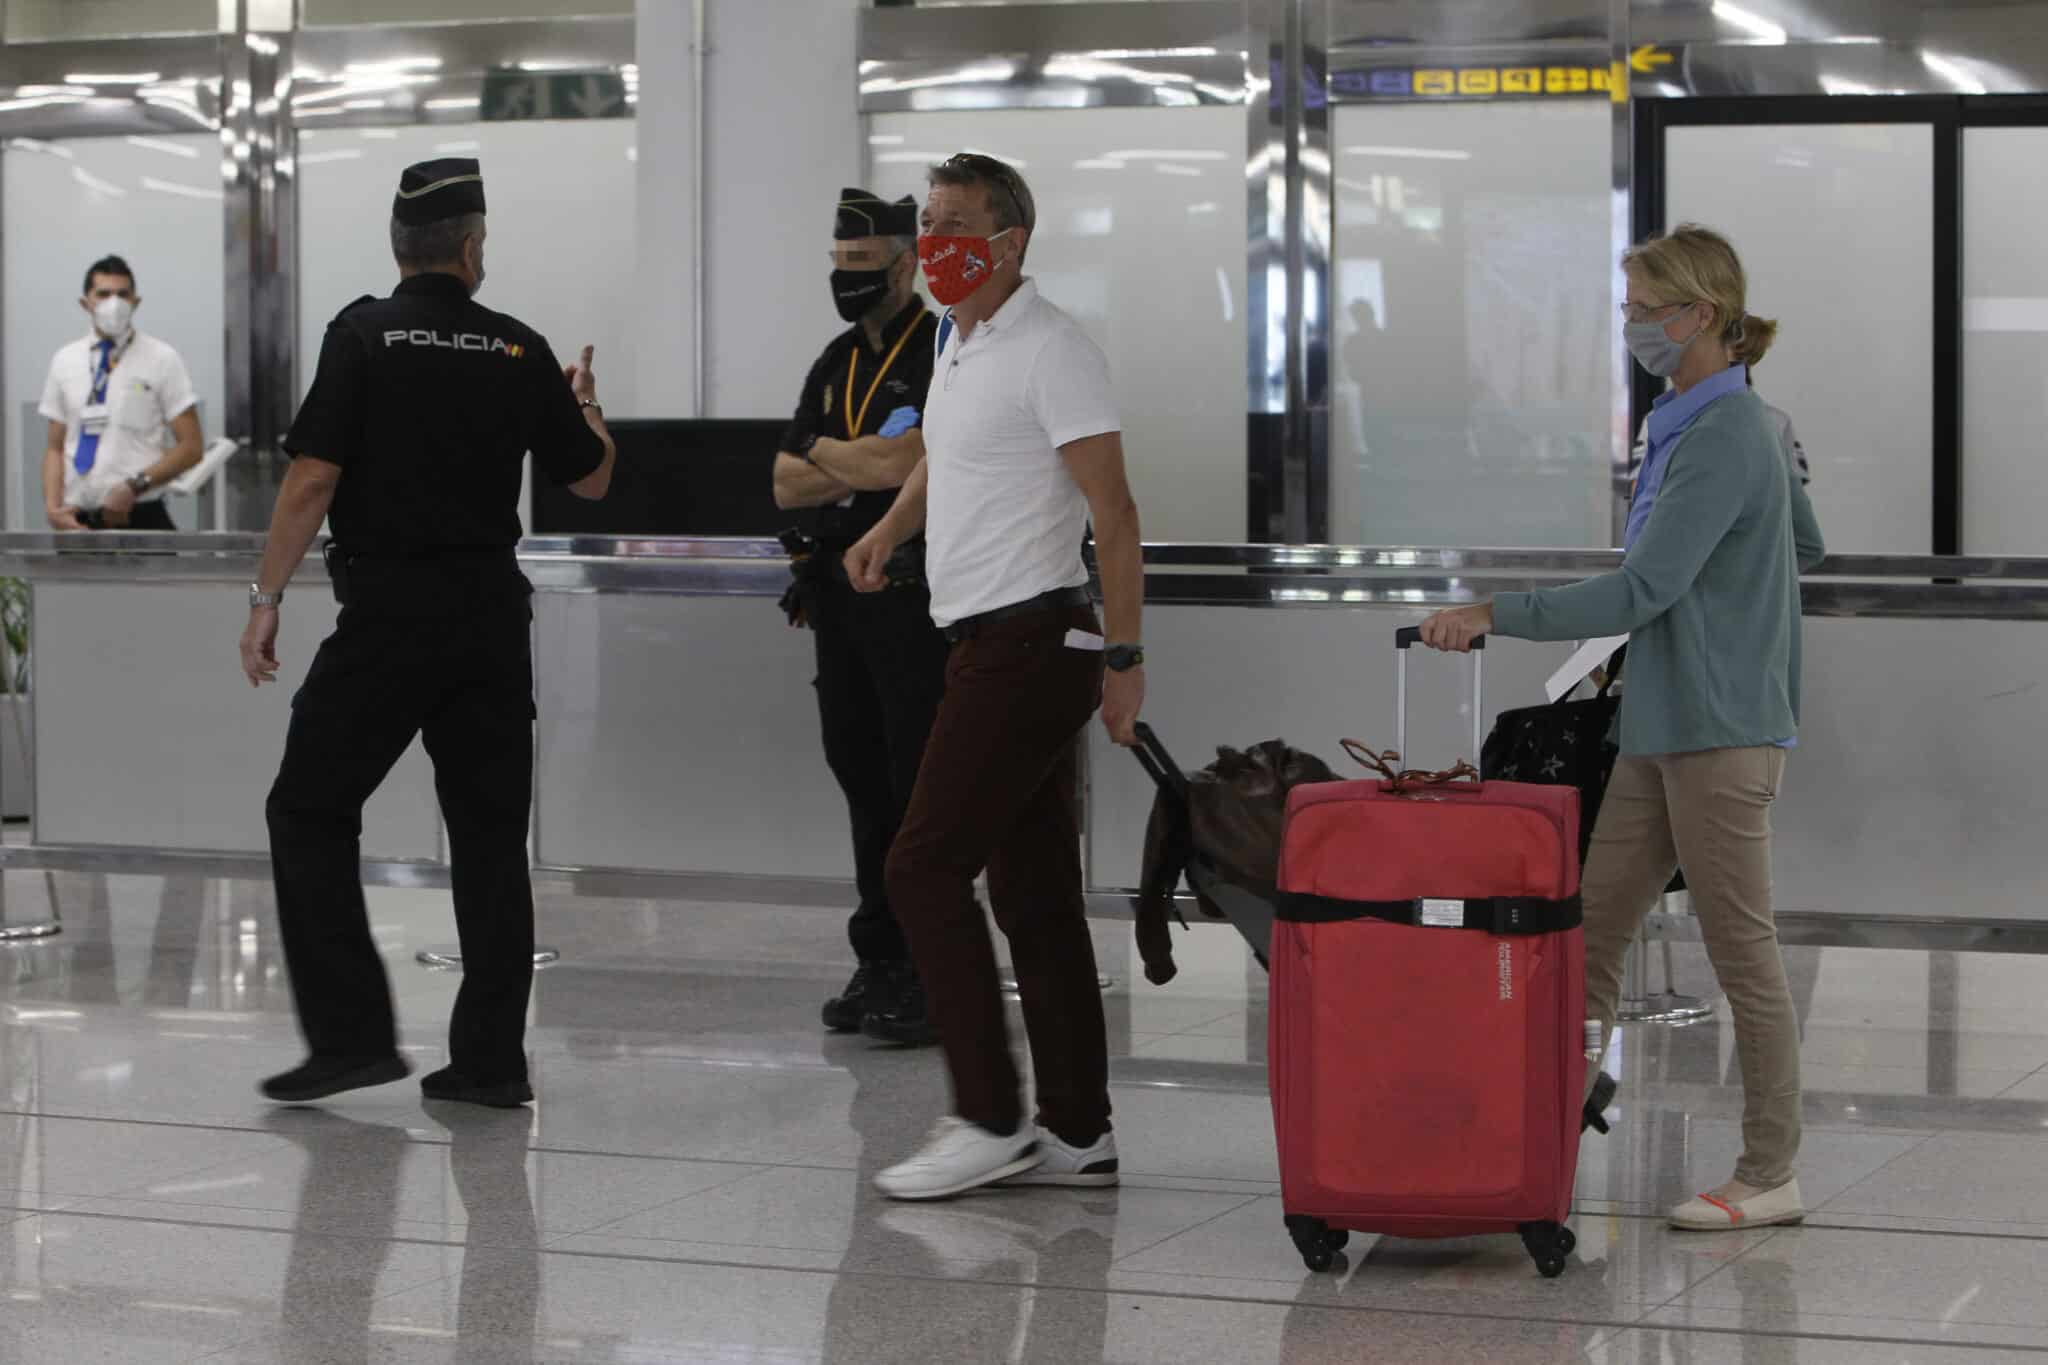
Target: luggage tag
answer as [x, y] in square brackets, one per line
[1082, 639]
[1442, 914]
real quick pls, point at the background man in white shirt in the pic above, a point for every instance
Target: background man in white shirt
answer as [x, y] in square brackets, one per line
[123, 418]
[1022, 453]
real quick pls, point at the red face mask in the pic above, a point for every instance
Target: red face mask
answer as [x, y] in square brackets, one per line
[955, 267]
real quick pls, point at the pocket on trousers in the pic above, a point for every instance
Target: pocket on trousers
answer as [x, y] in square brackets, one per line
[998, 656]
[1774, 772]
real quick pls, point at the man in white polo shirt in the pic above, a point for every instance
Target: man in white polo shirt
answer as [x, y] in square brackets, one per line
[123, 419]
[1022, 453]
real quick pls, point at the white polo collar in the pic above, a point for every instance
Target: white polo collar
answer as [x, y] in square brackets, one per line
[1014, 306]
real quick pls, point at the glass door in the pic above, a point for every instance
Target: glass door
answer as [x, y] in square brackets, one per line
[1843, 212]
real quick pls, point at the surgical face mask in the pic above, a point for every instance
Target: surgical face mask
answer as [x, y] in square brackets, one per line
[112, 315]
[856, 292]
[1654, 350]
[954, 267]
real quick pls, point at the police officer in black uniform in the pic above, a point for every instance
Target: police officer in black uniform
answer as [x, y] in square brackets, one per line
[413, 439]
[854, 439]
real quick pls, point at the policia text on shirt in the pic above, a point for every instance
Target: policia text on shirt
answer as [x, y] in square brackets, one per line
[413, 438]
[854, 439]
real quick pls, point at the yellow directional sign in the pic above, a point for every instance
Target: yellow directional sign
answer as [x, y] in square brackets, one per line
[1505, 80]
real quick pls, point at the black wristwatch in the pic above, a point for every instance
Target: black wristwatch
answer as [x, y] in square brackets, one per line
[1123, 658]
[139, 482]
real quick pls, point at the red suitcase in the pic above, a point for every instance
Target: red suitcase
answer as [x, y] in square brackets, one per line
[1428, 1042]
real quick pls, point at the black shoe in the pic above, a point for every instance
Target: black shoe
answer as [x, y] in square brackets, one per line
[318, 1077]
[1594, 1115]
[897, 1013]
[843, 1012]
[450, 1084]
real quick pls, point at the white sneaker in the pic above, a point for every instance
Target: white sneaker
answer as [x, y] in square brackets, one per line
[1093, 1166]
[1766, 1208]
[960, 1156]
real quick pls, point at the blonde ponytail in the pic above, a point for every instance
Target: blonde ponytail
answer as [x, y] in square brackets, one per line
[1753, 336]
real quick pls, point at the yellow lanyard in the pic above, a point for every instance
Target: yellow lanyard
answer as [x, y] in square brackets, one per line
[854, 419]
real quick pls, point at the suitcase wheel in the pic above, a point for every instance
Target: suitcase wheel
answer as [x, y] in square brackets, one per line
[1549, 1244]
[1316, 1240]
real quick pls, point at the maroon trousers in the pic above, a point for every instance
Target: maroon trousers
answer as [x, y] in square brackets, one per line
[999, 789]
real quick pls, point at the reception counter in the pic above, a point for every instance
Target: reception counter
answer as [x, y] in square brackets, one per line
[679, 754]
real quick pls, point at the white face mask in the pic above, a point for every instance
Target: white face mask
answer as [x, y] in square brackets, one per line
[112, 316]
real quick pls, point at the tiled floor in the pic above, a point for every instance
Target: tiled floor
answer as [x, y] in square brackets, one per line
[692, 1184]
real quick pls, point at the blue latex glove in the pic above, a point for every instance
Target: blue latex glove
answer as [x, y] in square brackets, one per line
[900, 421]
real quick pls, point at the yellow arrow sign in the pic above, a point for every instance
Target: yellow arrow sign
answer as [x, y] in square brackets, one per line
[1648, 58]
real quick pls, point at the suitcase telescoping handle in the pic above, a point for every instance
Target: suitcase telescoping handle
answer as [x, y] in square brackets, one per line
[1159, 764]
[1404, 639]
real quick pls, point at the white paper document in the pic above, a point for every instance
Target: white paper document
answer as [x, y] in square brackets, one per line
[195, 478]
[1584, 660]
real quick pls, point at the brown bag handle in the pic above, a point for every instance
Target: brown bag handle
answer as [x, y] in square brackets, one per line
[1398, 779]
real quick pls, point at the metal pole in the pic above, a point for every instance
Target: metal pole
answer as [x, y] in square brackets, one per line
[1010, 991]
[450, 959]
[35, 929]
[1641, 1005]
[701, 400]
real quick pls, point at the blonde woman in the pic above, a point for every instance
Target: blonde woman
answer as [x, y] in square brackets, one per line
[1708, 592]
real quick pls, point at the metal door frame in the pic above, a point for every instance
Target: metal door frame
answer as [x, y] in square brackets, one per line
[1944, 116]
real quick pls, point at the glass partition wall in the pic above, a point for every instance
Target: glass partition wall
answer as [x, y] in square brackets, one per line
[1389, 230]
[127, 146]
[1412, 269]
[1435, 200]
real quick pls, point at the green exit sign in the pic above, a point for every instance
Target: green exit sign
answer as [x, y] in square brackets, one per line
[513, 96]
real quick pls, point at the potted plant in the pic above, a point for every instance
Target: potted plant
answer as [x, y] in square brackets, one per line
[14, 715]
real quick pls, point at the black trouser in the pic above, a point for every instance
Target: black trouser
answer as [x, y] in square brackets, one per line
[881, 672]
[464, 682]
[144, 516]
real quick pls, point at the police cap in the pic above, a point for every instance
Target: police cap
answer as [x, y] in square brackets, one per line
[433, 190]
[864, 214]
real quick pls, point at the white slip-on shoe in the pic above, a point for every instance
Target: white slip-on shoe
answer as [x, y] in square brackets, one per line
[960, 1156]
[1093, 1166]
[1769, 1208]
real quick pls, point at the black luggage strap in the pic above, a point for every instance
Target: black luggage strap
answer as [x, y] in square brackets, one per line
[1494, 914]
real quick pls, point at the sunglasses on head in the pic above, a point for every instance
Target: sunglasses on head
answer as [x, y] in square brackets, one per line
[988, 168]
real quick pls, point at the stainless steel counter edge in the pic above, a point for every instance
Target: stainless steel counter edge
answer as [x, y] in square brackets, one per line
[1191, 574]
[1807, 929]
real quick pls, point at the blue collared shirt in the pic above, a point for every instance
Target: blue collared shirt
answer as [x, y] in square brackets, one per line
[1672, 413]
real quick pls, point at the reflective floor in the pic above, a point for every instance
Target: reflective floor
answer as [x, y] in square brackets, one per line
[692, 1184]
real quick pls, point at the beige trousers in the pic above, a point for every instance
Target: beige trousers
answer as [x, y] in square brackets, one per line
[1709, 811]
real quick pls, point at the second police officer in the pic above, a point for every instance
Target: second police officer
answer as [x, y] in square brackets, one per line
[414, 436]
[881, 662]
